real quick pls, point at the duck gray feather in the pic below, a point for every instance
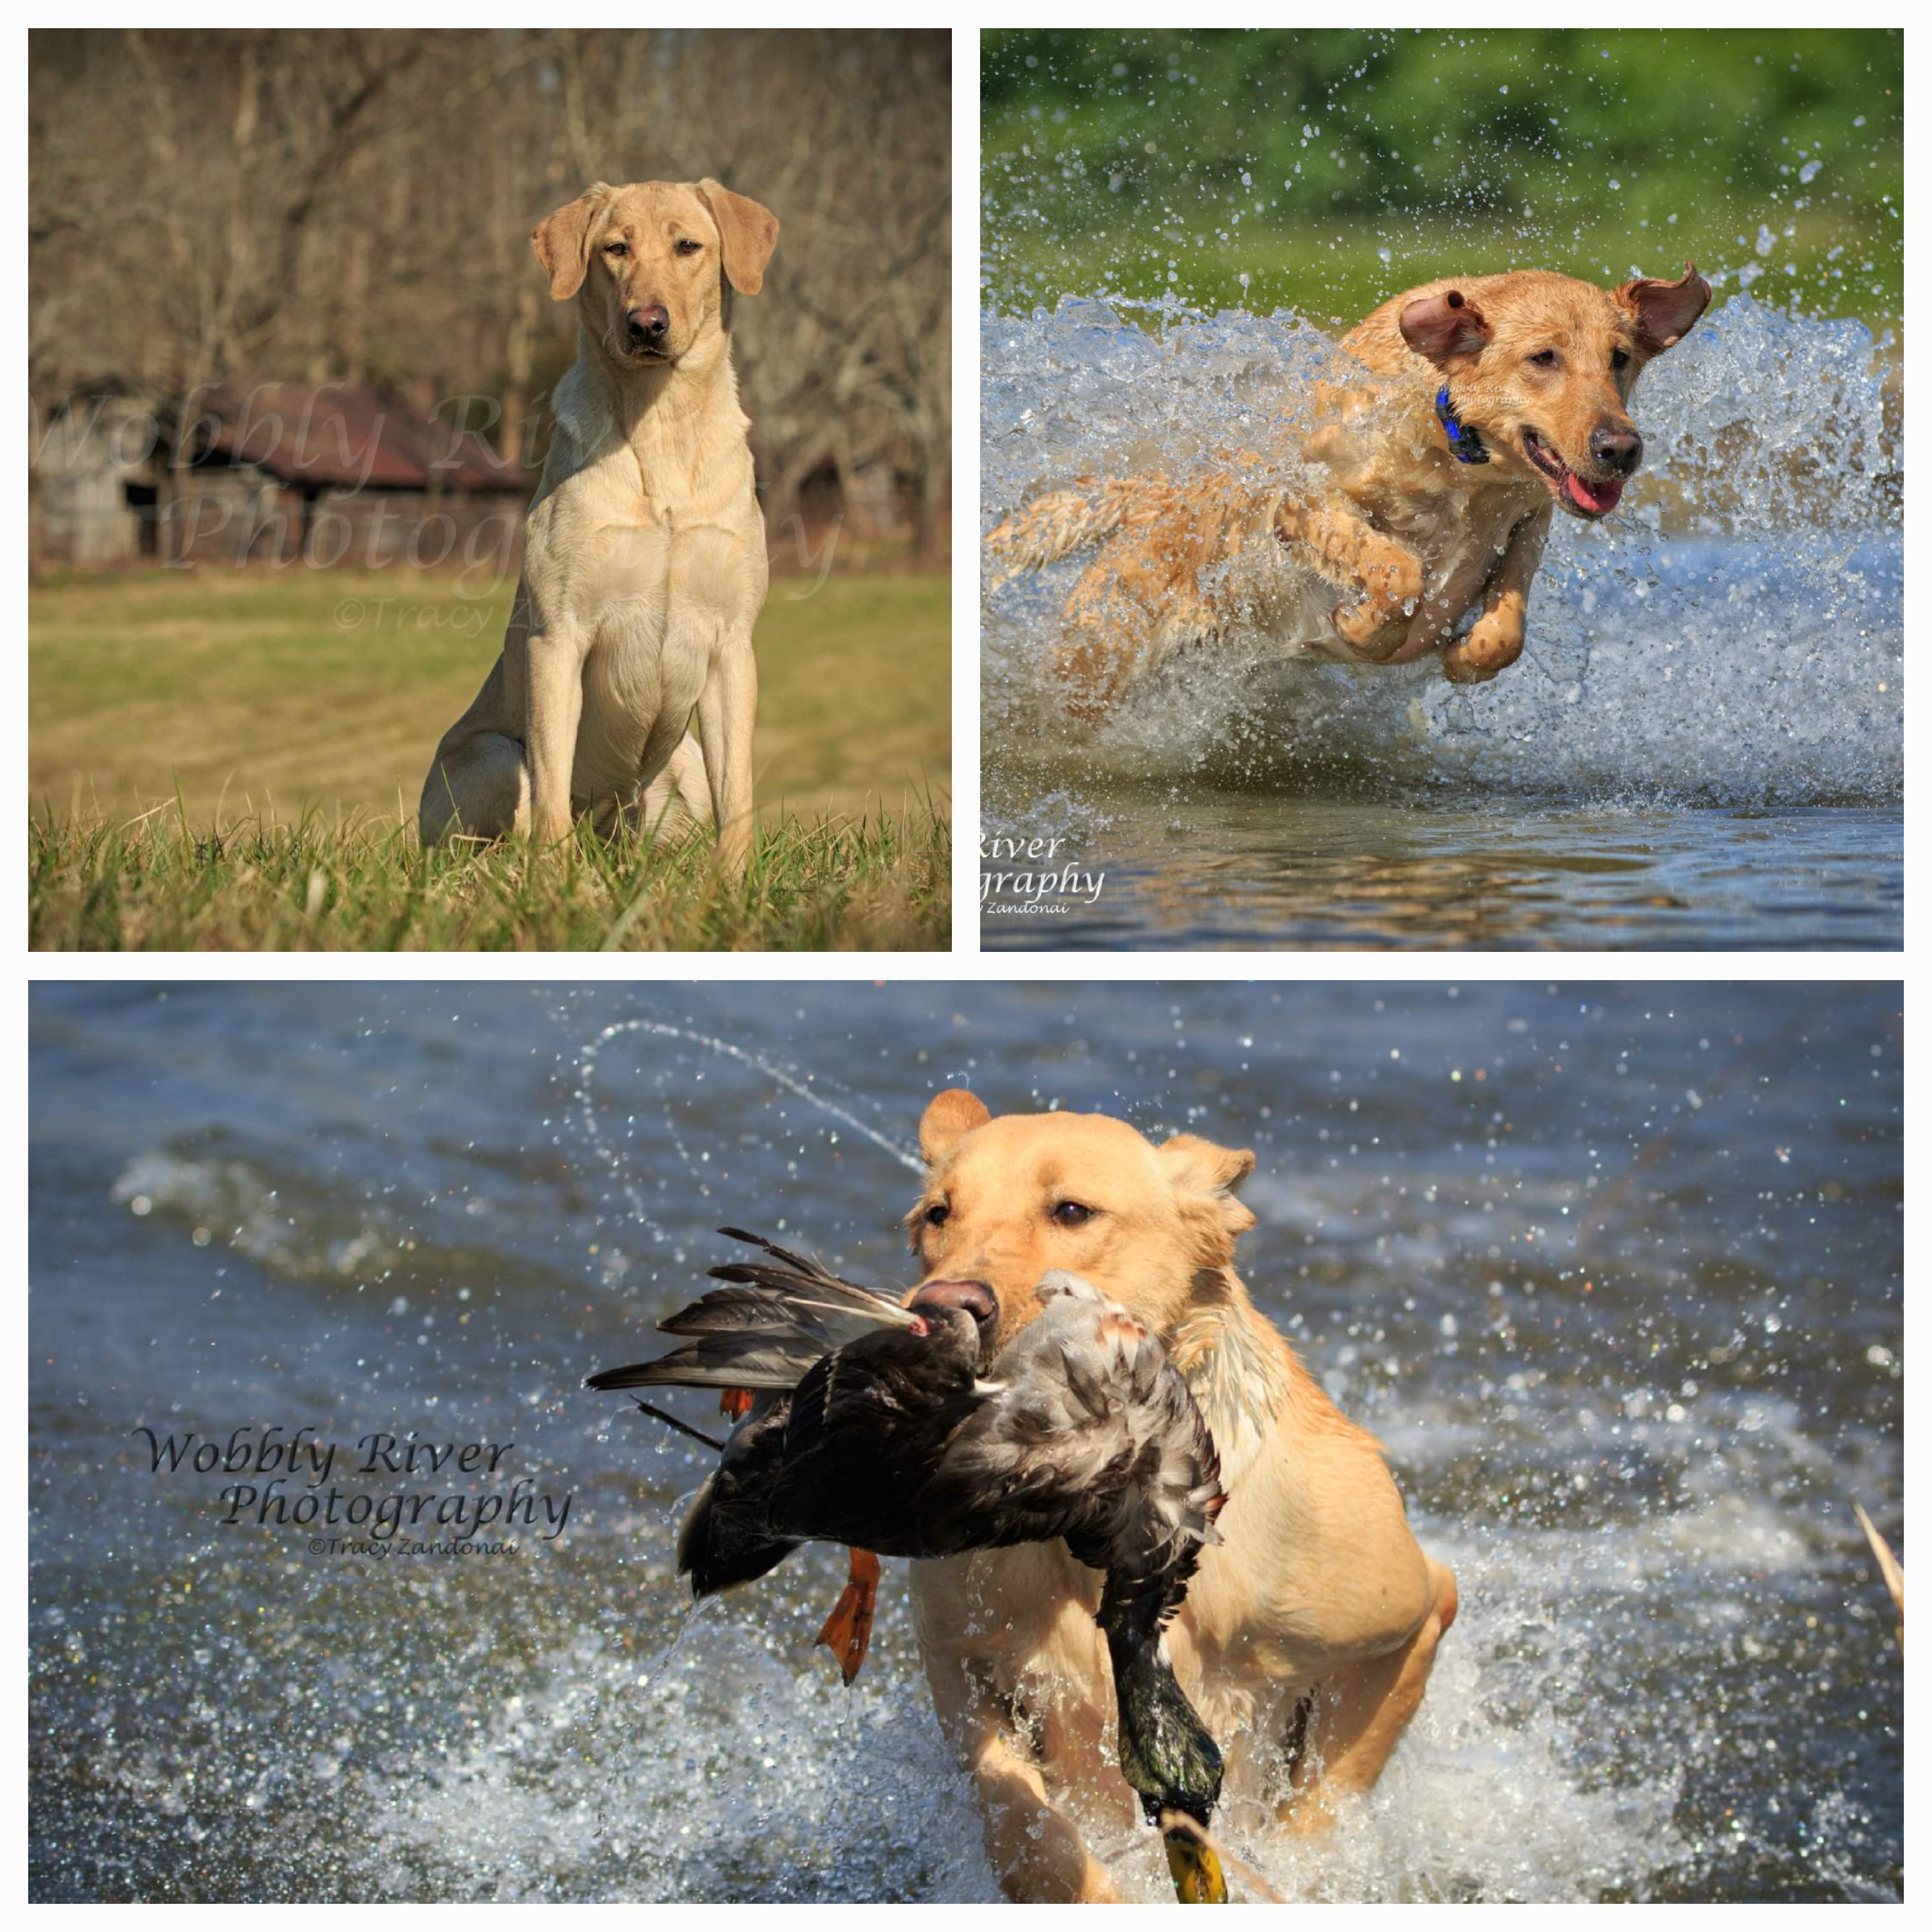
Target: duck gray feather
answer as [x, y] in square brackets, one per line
[890, 1441]
[765, 1330]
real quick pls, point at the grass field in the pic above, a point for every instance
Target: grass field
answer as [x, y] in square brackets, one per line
[1323, 170]
[231, 759]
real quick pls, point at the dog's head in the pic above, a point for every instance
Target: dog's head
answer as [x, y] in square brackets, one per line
[650, 264]
[1007, 1198]
[1542, 365]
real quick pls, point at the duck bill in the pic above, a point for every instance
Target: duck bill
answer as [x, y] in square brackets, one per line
[1198, 1877]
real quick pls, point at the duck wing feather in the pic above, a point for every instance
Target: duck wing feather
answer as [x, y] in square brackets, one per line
[771, 1359]
[765, 1329]
[798, 1279]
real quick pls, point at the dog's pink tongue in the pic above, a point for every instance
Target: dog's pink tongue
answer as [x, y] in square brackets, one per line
[1594, 496]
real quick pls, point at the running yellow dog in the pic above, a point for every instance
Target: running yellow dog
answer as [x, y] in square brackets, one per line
[1421, 483]
[1307, 1635]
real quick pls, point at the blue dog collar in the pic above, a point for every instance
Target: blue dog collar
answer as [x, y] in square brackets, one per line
[1464, 445]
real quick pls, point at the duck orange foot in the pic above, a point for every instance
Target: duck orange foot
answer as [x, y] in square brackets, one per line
[849, 1629]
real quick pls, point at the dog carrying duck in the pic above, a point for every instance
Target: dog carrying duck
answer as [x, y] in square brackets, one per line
[864, 1423]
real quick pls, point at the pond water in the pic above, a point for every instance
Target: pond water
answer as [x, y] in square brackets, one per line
[1613, 1272]
[1702, 746]
[1230, 868]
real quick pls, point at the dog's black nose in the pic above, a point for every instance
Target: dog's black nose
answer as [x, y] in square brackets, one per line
[1618, 449]
[649, 324]
[977, 1297]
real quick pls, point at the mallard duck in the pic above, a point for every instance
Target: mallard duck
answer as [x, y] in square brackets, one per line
[872, 1426]
[754, 1347]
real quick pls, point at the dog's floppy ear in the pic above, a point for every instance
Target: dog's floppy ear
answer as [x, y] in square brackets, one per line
[947, 1116]
[563, 241]
[748, 232]
[1447, 328]
[1205, 1178]
[1664, 311]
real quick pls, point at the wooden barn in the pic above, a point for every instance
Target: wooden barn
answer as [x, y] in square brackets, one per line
[96, 475]
[283, 472]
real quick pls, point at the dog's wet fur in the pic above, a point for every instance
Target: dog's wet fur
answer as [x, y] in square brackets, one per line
[1365, 495]
[1308, 1633]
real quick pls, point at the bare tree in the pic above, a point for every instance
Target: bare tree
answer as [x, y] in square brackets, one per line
[357, 206]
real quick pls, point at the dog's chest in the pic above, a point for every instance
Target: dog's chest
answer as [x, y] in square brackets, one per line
[1455, 536]
[652, 579]
[648, 545]
[1029, 1612]
[1447, 529]
[626, 571]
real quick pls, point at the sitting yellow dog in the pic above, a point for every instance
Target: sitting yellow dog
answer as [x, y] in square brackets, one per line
[644, 555]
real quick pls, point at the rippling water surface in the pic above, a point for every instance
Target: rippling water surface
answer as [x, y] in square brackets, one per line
[1720, 661]
[1613, 1272]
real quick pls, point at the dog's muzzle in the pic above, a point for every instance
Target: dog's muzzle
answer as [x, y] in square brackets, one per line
[648, 329]
[975, 1297]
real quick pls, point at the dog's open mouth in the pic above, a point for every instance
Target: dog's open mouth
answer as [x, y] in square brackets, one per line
[1585, 499]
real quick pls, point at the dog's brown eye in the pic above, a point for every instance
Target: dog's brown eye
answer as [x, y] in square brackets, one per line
[616, 248]
[936, 1215]
[1619, 358]
[1071, 1214]
[1544, 358]
[689, 248]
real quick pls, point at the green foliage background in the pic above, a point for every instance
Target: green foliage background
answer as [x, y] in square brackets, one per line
[1323, 171]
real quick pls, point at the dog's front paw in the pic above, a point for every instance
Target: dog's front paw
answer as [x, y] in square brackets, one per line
[1392, 588]
[1390, 577]
[1367, 630]
[1494, 643]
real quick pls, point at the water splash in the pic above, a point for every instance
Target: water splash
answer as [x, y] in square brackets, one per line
[291, 1229]
[731, 1774]
[788, 1080]
[1734, 637]
[729, 1766]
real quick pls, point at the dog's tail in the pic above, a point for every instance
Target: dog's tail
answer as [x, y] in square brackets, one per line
[1062, 521]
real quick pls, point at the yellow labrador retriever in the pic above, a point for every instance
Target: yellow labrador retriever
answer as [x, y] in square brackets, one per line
[644, 554]
[1421, 486]
[1307, 1635]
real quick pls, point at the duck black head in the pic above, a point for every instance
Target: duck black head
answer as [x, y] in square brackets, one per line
[1166, 1753]
[1168, 1757]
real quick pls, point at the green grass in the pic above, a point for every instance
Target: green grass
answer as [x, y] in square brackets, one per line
[1332, 168]
[226, 758]
[881, 884]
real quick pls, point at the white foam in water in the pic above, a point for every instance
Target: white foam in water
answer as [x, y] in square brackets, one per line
[728, 1763]
[1733, 637]
[724, 1768]
[1471, 1807]
[720, 1770]
[237, 1202]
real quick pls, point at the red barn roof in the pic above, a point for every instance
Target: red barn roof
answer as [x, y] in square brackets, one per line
[343, 435]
